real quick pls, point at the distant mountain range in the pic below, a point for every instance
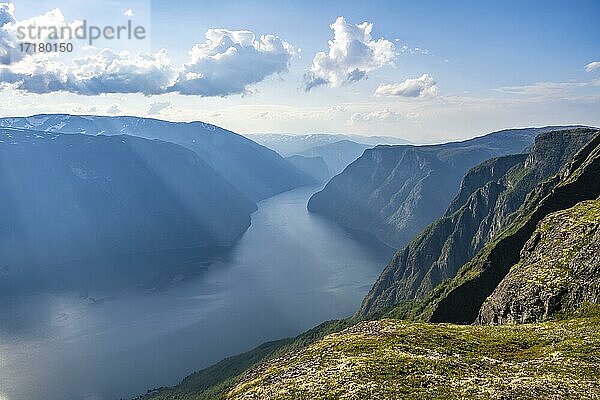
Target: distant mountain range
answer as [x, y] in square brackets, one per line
[311, 152]
[314, 166]
[287, 145]
[393, 192]
[326, 161]
[337, 155]
[254, 170]
[80, 186]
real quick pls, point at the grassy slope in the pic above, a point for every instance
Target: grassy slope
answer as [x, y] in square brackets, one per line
[390, 359]
[212, 382]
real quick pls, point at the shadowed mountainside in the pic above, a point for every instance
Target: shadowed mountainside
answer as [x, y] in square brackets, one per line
[254, 170]
[393, 192]
[72, 196]
[459, 299]
[337, 155]
[314, 167]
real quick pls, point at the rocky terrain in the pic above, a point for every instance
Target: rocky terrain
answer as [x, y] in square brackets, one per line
[390, 359]
[460, 298]
[487, 201]
[558, 270]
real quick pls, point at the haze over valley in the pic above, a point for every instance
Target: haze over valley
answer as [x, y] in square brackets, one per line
[268, 200]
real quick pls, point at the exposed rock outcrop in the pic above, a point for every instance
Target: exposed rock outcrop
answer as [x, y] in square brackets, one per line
[460, 299]
[559, 270]
[390, 359]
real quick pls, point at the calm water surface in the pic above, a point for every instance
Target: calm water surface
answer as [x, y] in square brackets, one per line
[79, 338]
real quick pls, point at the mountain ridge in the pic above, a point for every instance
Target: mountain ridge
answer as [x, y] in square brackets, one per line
[256, 171]
[449, 302]
[393, 192]
[489, 195]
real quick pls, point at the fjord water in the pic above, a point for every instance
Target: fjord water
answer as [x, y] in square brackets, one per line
[71, 340]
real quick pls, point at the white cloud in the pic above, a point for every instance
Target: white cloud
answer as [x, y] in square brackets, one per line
[157, 107]
[336, 109]
[226, 63]
[592, 66]
[284, 113]
[264, 114]
[129, 13]
[113, 109]
[7, 39]
[229, 61]
[414, 50]
[104, 72]
[424, 86]
[546, 89]
[352, 54]
[385, 115]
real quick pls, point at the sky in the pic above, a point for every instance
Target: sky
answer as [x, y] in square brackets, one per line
[426, 71]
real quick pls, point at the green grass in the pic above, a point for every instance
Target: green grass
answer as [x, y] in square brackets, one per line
[390, 359]
[214, 381]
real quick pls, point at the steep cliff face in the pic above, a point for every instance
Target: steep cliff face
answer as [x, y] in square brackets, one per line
[393, 192]
[387, 358]
[489, 195]
[559, 270]
[67, 197]
[460, 299]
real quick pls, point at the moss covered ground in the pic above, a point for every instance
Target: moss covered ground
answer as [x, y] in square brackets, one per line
[392, 359]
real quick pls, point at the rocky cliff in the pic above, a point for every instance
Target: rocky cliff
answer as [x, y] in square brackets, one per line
[552, 245]
[489, 195]
[393, 192]
[460, 299]
[558, 270]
